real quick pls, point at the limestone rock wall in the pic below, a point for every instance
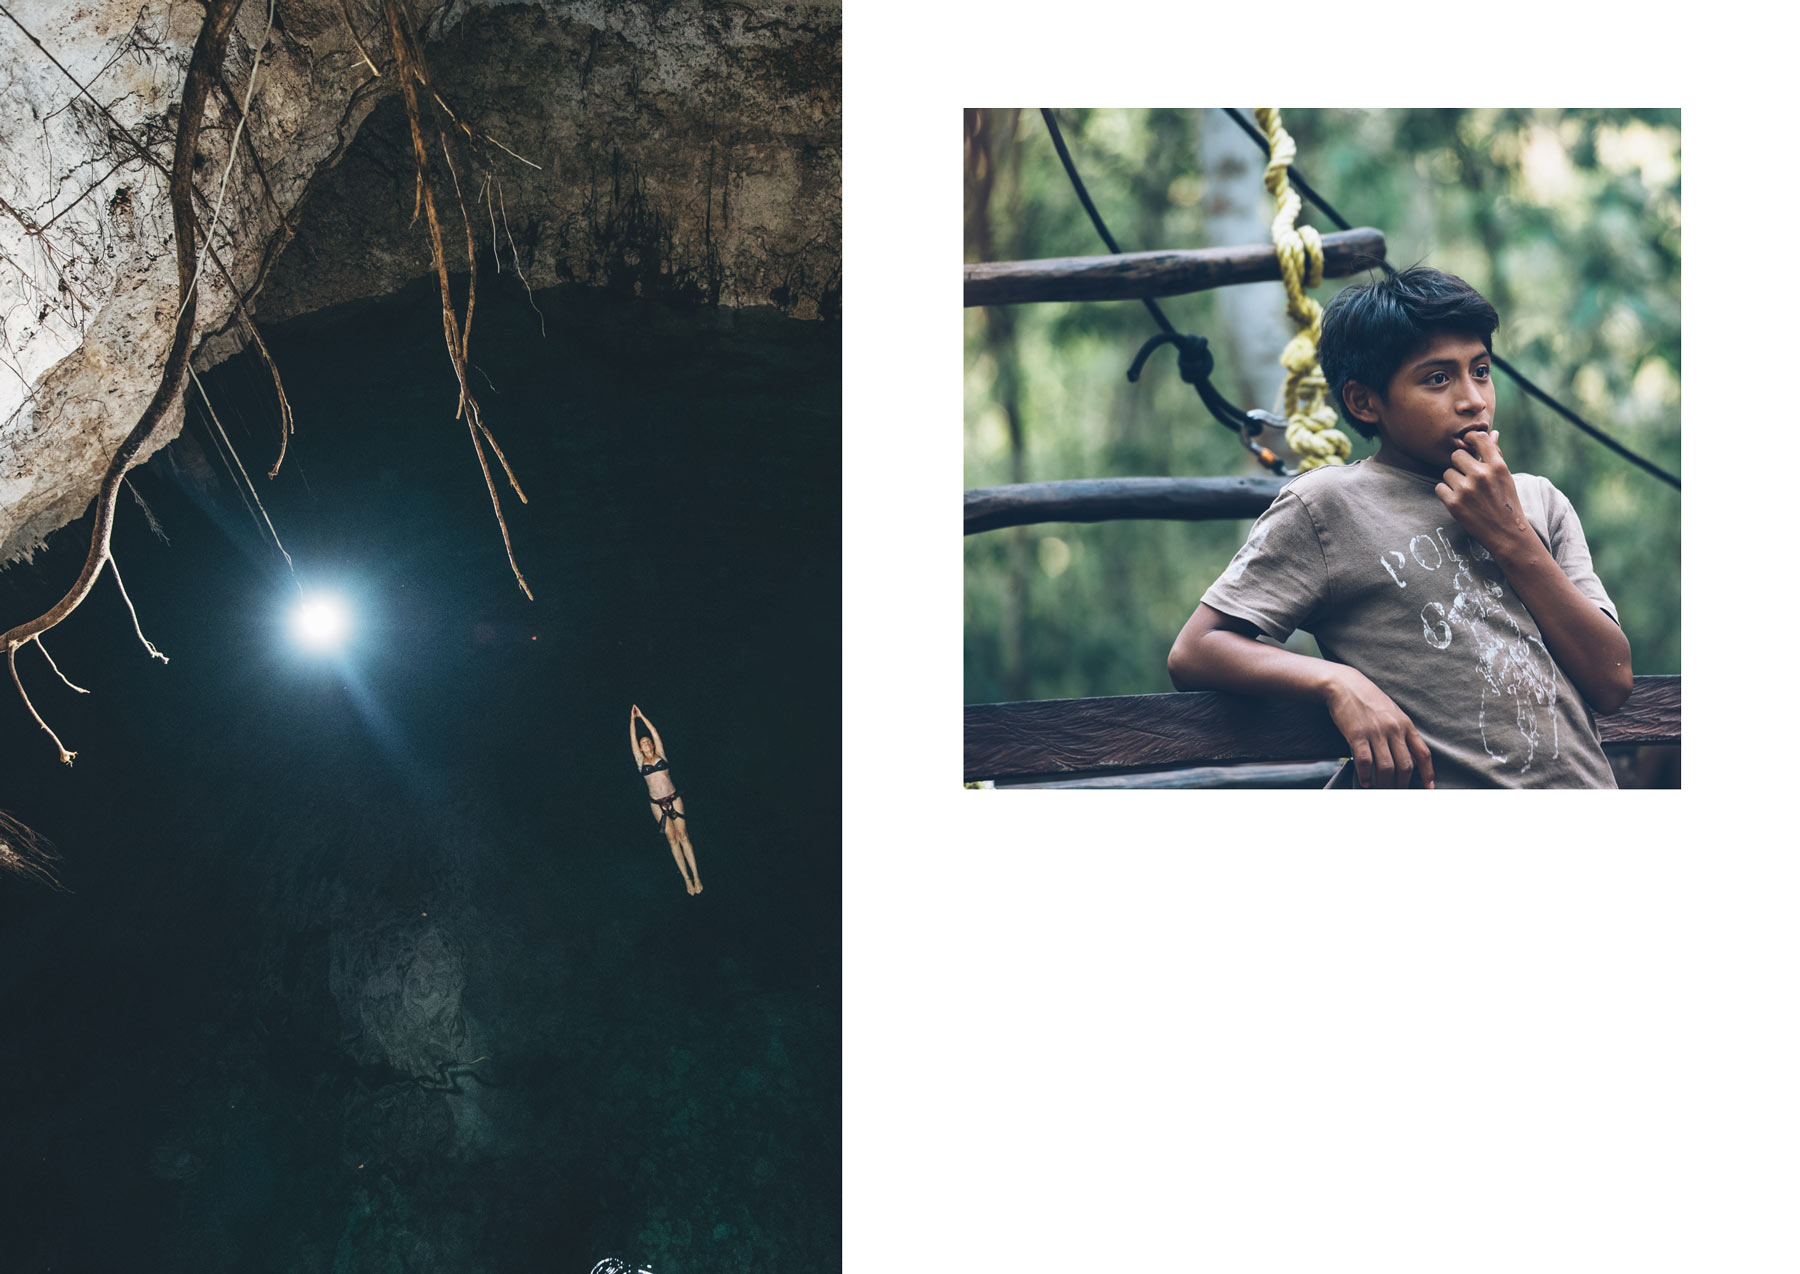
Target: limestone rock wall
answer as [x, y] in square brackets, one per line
[90, 290]
[685, 149]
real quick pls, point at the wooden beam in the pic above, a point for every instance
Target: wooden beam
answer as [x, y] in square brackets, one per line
[1134, 276]
[1117, 499]
[1302, 775]
[1087, 736]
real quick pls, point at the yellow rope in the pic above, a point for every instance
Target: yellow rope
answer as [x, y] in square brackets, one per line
[1311, 434]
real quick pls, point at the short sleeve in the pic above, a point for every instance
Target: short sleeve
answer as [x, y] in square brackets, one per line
[1278, 578]
[1570, 549]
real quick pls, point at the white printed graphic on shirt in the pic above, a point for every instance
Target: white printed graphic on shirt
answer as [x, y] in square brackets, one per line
[1241, 559]
[1514, 665]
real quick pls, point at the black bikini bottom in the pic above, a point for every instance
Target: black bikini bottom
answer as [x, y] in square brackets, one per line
[667, 805]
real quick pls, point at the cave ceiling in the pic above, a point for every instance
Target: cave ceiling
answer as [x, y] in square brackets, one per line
[681, 151]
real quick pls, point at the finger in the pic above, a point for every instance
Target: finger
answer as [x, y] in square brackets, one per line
[1488, 448]
[1464, 461]
[1444, 491]
[1421, 754]
[1383, 761]
[1401, 749]
[1359, 752]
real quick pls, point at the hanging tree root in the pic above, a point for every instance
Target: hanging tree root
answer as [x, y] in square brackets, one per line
[411, 72]
[203, 74]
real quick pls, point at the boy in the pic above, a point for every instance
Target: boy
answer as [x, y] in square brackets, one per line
[1468, 642]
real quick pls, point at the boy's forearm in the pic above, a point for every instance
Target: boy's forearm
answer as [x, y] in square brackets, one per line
[1218, 659]
[1214, 653]
[1479, 492]
[1587, 645]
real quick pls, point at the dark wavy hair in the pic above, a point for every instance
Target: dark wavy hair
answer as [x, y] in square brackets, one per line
[1371, 328]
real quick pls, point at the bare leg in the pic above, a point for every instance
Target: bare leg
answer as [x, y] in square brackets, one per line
[693, 870]
[682, 867]
[684, 848]
[672, 833]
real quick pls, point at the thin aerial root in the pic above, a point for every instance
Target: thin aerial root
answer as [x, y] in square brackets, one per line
[237, 466]
[494, 495]
[68, 757]
[231, 156]
[156, 528]
[515, 154]
[487, 195]
[351, 28]
[24, 853]
[281, 398]
[499, 455]
[519, 270]
[154, 652]
[38, 641]
[470, 133]
[469, 236]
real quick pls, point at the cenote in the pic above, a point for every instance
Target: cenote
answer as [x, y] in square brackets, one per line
[377, 961]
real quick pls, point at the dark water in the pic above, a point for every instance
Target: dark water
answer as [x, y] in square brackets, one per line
[304, 893]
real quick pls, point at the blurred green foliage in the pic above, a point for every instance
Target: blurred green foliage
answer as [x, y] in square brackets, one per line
[1568, 221]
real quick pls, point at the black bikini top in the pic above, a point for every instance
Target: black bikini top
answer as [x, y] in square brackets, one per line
[647, 770]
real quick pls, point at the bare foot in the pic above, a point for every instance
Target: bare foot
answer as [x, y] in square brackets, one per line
[698, 886]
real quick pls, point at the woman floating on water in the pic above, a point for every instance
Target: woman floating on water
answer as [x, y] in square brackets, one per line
[665, 801]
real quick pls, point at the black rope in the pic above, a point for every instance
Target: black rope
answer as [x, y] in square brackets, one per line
[1062, 151]
[1196, 361]
[1583, 425]
[1598, 435]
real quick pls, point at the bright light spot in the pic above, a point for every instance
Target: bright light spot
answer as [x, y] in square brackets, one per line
[321, 623]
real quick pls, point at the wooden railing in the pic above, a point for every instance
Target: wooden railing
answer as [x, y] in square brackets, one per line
[1130, 733]
[1137, 276]
[1118, 499]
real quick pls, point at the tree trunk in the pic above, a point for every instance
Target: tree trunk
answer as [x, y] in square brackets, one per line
[988, 138]
[1254, 327]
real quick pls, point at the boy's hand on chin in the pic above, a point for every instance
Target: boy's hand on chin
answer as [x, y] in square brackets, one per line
[1478, 491]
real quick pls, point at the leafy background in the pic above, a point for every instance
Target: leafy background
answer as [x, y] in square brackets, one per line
[1569, 221]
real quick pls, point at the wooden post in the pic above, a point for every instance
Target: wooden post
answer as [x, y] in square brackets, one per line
[1134, 276]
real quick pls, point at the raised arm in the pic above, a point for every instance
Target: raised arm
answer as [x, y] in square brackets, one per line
[1216, 651]
[655, 738]
[631, 732]
[1480, 494]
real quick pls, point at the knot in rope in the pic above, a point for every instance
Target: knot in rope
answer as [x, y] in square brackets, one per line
[1310, 420]
[1194, 358]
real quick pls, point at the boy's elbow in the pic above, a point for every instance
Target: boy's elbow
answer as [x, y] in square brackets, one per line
[1184, 665]
[1615, 692]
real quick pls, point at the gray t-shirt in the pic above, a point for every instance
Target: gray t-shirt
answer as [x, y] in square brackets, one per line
[1367, 559]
